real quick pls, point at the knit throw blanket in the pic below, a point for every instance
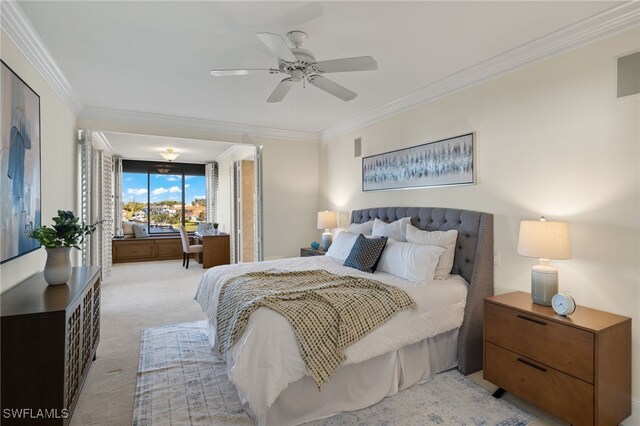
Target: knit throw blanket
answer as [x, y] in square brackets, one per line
[328, 312]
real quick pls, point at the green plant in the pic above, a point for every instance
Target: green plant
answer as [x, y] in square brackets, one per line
[67, 231]
[215, 225]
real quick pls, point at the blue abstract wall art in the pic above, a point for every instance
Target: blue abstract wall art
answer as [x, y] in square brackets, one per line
[19, 165]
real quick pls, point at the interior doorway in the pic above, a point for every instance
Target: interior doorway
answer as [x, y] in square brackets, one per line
[245, 183]
[106, 192]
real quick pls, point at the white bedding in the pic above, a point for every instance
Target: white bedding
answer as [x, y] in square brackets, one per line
[266, 359]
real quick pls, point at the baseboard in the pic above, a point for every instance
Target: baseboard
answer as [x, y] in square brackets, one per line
[634, 419]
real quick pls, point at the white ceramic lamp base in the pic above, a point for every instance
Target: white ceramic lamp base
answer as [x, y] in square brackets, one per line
[326, 240]
[544, 284]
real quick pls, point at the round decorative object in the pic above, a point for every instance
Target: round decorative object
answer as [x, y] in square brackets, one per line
[57, 269]
[315, 245]
[563, 304]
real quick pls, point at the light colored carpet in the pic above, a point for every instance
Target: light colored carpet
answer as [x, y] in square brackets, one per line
[149, 294]
[181, 381]
[135, 297]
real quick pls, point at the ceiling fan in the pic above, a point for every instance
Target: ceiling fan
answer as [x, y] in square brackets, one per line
[301, 65]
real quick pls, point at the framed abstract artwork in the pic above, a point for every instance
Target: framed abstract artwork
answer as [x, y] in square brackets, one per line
[19, 165]
[441, 163]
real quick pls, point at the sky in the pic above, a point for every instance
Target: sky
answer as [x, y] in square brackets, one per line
[163, 187]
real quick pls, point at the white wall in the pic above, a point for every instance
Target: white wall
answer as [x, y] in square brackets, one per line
[552, 140]
[58, 157]
[289, 181]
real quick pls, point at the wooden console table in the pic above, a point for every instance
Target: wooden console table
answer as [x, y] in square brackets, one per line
[49, 338]
[216, 250]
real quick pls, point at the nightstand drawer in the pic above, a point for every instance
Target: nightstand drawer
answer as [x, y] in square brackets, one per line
[564, 348]
[564, 396]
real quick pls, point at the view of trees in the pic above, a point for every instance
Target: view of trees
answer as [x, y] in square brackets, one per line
[164, 211]
[130, 208]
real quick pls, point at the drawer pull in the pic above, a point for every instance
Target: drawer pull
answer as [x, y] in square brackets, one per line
[532, 320]
[530, 364]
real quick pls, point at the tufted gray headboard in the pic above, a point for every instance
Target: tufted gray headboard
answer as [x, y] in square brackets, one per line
[473, 261]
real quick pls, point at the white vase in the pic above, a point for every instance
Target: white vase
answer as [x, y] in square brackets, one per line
[215, 231]
[57, 270]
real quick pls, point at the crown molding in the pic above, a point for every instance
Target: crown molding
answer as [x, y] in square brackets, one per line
[101, 141]
[18, 28]
[233, 151]
[194, 123]
[605, 24]
[627, 15]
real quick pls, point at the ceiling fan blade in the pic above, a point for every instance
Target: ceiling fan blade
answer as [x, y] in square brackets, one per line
[281, 90]
[332, 87]
[360, 63]
[224, 73]
[277, 45]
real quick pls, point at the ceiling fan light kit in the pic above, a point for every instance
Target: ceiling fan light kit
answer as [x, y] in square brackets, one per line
[301, 66]
[297, 38]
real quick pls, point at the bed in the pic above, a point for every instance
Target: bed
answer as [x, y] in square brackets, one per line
[444, 332]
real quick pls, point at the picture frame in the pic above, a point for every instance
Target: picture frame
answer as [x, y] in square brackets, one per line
[446, 162]
[20, 165]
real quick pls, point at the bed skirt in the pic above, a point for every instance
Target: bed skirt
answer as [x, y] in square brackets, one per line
[357, 386]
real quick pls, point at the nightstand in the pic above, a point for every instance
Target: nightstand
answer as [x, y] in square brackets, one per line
[577, 368]
[308, 251]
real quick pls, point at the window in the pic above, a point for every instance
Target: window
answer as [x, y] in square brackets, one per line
[162, 196]
[134, 197]
[195, 202]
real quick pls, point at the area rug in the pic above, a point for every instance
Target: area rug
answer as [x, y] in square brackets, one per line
[182, 382]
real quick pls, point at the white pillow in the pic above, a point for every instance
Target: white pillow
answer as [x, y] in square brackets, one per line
[444, 239]
[361, 228]
[396, 230]
[342, 245]
[413, 262]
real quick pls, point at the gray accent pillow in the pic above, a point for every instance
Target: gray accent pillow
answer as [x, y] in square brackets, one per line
[366, 253]
[140, 232]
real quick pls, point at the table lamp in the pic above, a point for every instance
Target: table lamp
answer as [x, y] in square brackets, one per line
[545, 240]
[327, 220]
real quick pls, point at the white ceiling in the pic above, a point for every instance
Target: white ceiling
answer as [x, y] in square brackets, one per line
[144, 147]
[155, 57]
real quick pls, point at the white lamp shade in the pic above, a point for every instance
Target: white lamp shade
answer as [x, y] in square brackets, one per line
[327, 220]
[544, 239]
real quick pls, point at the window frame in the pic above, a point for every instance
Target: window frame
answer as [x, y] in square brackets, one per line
[161, 168]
